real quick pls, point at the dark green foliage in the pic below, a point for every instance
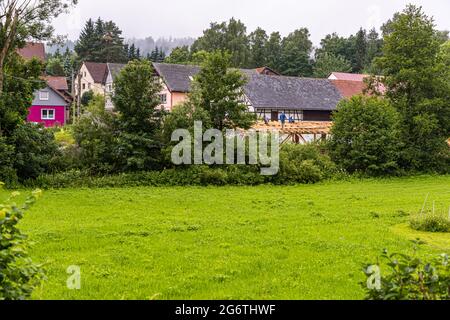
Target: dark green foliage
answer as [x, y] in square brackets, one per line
[360, 53]
[231, 37]
[101, 42]
[417, 84]
[95, 136]
[359, 49]
[22, 79]
[129, 140]
[157, 55]
[303, 164]
[55, 67]
[365, 136]
[328, 63]
[179, 55]
[7, 172]
[299, 164]
[258, 48]
[295, 55]
[136, 98]
[19, 276]
[409, 278]
[35, 151]
[218, 90]
[87, 97]
[273, 51]
[133, 53]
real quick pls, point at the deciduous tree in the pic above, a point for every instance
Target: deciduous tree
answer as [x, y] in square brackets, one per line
[417, 84]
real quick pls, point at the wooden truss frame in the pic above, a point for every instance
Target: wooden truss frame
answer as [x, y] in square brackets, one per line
[296, 131]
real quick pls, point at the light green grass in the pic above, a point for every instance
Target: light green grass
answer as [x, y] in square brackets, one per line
[266, 242]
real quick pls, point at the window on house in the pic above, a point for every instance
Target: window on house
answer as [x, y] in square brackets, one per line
[84, 86]
[44, 95]
[163, 98]
[89, 86]
[48, 114]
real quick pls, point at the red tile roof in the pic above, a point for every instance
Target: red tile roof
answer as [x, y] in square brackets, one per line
[97, 71]
[33, 50]
[59, 83]
[348, 88]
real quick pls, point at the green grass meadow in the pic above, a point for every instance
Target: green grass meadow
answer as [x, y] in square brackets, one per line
[265, 242]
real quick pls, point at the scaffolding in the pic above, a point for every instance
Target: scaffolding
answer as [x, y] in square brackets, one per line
[297, 132]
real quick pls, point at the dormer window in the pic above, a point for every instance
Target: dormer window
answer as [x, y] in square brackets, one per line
[44, 95]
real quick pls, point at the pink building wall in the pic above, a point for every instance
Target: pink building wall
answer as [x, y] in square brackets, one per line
[35, 112]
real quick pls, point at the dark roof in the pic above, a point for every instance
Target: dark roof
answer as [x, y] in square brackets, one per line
[115, 69]
[97, 71]
[59, 83]
[263, 91]
[33, 50]
[280, 92]
[176, 76]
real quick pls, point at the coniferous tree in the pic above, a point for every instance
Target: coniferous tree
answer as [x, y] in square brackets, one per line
[359, 59]
[86, 44]
[101, 42]
[138, 54]
[132, 52]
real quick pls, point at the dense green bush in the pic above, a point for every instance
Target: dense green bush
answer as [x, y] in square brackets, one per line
[298, 164]
[7, 172]
[365, 136]
[410, 278]
[18, 274]
[303, 164]
[431, 223]
[95, 137]
[87, 97]
[35, 151]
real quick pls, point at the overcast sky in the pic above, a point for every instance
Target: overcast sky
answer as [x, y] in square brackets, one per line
[183, 18]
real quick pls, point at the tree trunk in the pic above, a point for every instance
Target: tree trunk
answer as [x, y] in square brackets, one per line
[10, 28]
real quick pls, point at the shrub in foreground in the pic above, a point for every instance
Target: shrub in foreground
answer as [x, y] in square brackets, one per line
[431, 223]
[18, 274]
[409, 278]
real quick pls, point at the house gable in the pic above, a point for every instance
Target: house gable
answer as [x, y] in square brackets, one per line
[54, 98]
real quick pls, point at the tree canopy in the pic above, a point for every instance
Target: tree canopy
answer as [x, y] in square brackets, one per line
[418, 85]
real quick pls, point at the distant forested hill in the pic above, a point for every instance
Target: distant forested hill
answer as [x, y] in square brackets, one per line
[146, 45]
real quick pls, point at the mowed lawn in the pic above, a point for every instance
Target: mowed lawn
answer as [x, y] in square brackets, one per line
[266, 242]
